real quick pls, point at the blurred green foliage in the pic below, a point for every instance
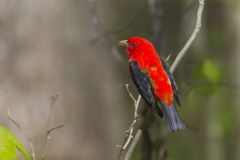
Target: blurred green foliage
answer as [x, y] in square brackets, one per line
[9, 145]
[208, 75]
[211, 71]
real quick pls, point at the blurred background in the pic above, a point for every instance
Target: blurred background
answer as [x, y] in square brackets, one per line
[68, 47]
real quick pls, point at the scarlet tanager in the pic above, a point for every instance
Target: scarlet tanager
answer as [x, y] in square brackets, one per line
[153, 80]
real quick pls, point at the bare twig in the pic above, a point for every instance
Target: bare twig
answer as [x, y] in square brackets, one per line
[53, 101]
[130, 130]
[55, 128]
[133, 144]
[180, 55]
[24, 133]
[168, 57]
[192, 37]
[136, 102]
[49, 131]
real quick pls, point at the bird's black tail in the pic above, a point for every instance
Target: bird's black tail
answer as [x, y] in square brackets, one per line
[172, 120]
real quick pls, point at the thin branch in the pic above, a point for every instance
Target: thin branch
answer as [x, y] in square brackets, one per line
[130, 94]
[49, 131]
[136, 102]
[168, 57]
[55, 128]
[130, 130]
[180, 55]
[53, 101]
[184, 50]
[133, 144]
[24, 133]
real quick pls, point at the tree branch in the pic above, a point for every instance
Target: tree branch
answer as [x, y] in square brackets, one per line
[180, 55]
[133, 145]
[129, 131]
[49, 131]
[184, 50]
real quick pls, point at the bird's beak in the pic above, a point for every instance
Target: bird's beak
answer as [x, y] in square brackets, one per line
[123, 43]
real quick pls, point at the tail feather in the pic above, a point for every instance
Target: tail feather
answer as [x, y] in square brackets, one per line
[172, 120]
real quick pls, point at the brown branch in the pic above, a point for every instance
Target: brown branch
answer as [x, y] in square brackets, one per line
[180, 55]
[130, 130]
[55, 128]
[49, 131]
[24, 133]
[53, 101]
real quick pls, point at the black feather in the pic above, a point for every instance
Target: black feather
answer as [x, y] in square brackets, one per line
[172, 120]
[143, 84]
[173, 82]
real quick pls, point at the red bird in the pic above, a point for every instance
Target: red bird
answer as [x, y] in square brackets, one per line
[153, 80]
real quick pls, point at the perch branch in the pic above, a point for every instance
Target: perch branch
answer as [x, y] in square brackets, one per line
[197, 28]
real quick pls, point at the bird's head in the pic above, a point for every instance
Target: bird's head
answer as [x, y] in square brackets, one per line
[137, 46]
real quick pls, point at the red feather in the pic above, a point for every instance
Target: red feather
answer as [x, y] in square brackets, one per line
[149, 61]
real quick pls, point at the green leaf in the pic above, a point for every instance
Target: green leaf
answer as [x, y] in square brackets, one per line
[211, 71]
[9, 145]
[208, 75]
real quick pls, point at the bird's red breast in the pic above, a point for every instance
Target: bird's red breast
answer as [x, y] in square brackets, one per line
[148, 60]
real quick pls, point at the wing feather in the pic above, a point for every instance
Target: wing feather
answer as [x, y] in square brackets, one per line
[172, 80]
[143, 84]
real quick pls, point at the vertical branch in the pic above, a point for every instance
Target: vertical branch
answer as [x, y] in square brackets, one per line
[53, 101]
[49, 131]
[129, 132]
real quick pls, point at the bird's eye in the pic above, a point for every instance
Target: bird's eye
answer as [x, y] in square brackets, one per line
[134, 44]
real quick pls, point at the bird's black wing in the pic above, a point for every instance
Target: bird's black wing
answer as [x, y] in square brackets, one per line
[143, 84]
[173, 82]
